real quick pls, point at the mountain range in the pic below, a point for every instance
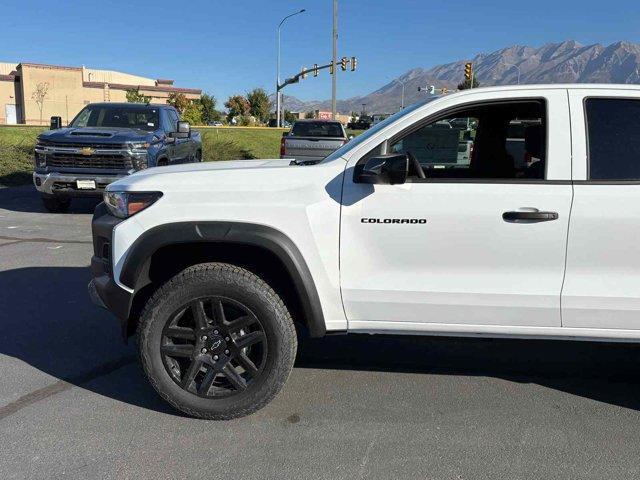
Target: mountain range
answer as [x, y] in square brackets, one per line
[565, 62]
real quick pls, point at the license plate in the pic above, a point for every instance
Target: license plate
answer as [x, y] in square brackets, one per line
[86, 184]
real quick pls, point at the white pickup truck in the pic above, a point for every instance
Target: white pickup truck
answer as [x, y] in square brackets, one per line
[309, 141]
[218, 266]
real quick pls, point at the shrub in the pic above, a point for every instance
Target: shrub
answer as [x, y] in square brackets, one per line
[215, 149]
[16, 161]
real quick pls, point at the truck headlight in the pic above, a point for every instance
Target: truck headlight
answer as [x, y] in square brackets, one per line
[41, 160]
[127, 204]
[40, 155]
[139, 157]
[139, 147]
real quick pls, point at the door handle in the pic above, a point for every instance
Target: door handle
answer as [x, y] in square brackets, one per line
[531, 216]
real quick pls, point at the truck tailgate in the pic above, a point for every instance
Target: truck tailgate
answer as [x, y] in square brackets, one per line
[311, 146]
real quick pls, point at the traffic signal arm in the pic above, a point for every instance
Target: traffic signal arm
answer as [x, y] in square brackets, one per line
[303, 74]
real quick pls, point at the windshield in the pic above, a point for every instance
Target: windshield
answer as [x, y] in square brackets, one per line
[376, 128]
[317, 129]
[114, 116]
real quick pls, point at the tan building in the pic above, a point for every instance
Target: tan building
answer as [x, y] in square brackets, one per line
[69, 89]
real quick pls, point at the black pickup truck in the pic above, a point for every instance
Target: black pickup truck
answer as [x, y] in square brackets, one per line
[107, 141]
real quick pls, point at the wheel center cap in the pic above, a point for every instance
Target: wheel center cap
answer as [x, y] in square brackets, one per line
[217, 344]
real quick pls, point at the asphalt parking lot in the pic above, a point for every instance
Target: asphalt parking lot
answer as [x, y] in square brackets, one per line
[74, 404]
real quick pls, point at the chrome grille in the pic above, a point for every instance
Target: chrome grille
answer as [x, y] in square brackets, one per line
[106, 162]
[104, 156]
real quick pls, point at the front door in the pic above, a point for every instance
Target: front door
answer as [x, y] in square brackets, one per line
[481, 240]
[11, 114]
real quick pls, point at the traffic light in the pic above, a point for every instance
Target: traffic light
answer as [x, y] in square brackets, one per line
[468, 70]
[331, 67]
[303, 73]
[315, 69]
[343, 63]
[354, 62]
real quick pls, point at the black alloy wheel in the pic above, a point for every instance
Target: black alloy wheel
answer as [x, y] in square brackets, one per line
[216, 341]
[214, 347]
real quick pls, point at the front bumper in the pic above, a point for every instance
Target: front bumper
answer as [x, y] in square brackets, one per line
[55, 183]
[103, 289]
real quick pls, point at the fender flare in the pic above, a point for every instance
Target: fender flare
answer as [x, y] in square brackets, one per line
[136, 263]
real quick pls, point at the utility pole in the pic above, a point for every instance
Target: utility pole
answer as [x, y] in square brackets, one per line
[334, 59]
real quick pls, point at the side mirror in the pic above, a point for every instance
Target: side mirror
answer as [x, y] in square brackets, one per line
[390, 169]
[56, 123]
[184, 130]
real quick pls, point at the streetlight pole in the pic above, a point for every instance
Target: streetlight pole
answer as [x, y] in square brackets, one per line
[401, 98]
[278, 67]
[334, 39]
[517, 67]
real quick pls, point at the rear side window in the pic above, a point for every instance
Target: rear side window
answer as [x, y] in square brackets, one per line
[613, 128]
[317, 129]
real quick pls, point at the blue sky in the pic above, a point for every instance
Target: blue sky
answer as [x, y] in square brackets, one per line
[227, 47]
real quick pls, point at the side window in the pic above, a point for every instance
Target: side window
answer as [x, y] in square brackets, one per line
[82, 119]
[172, 120]
[491, 141]
[613, 142]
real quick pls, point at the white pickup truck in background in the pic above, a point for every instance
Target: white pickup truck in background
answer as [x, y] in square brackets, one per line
[312, 140]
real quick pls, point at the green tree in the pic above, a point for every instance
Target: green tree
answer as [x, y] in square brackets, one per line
[259, 104]
[237, 106]
[134, 96]
[467, 84]
[209, 112]
[179, 101]
[193, 113]
[310, 115]
[246, 121]
[289, 117]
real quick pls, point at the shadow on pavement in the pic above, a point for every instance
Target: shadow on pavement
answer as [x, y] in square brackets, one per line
[49, 323]
[27, 199]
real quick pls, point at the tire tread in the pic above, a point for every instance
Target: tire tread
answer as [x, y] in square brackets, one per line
[244, 279]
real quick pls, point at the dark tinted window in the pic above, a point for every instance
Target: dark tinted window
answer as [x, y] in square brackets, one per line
[173, 118]
[492, 141]
[613, 126]
[113, 116]
[317, 129]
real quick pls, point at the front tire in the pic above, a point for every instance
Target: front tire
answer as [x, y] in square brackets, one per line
[217, 342]
[56, 204]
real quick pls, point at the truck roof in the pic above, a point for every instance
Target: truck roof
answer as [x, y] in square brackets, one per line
[129, 104]
[552, 86]
[305, 120]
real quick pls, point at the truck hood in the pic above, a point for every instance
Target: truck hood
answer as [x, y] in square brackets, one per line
[222, 165]
[91, 135]
[196, 171]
